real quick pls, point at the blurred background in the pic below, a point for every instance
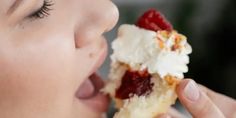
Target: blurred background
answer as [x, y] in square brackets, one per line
[210, 26]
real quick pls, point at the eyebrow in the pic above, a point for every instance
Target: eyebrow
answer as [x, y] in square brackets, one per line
[14, 6]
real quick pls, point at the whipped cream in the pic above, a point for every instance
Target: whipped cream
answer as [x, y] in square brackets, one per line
[162, 52]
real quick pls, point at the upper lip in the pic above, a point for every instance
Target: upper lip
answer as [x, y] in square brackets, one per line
[99, 61]
[97, 101]
[101, 58]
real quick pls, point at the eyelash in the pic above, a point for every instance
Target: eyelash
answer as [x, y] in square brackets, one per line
[43, 11]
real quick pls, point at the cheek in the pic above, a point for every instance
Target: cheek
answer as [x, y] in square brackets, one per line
[38, 74]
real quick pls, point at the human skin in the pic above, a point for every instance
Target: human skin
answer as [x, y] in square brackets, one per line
[202, 102]
[44, 62]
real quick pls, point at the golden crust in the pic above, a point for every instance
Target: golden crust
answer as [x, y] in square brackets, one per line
[171, 80]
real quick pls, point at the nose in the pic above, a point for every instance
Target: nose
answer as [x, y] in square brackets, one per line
[112, 16]
[109, 15]
[99, 16]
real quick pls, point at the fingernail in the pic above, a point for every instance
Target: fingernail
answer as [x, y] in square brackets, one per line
[191, 91]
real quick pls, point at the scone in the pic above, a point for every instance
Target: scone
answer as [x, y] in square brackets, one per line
[148, 61]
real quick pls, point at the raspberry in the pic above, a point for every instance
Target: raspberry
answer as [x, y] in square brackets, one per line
[154, 20]
[134, 83]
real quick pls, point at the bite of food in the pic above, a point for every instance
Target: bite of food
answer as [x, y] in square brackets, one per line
[148, 61]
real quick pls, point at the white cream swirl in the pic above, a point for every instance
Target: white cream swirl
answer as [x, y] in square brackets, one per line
[141, 49]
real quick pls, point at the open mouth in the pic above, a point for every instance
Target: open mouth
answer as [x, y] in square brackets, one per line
[89, 93]
[90, 87]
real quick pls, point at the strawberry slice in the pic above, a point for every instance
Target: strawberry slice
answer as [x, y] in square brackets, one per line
[154, 20]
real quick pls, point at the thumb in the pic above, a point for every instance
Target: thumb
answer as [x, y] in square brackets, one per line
[196, 101]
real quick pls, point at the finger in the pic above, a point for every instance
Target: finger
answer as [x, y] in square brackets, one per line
[196, 101]
[226, 104]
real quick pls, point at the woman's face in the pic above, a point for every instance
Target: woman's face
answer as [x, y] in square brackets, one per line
[47, 56]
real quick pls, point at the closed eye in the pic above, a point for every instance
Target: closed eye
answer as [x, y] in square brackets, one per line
[43, 11]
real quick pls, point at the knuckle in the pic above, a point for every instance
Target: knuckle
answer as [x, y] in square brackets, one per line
[206, 106]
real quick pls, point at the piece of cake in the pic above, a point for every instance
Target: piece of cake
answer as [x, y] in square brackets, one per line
[148, 61]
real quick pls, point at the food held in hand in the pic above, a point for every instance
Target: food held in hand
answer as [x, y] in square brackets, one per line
[148, 61]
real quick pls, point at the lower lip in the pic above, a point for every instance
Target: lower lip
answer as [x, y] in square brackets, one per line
[98, 103]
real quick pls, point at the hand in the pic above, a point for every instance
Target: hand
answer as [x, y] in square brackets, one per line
[202, 102]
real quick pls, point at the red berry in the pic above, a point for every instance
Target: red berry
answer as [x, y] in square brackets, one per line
[154, 20]
[134, 83]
